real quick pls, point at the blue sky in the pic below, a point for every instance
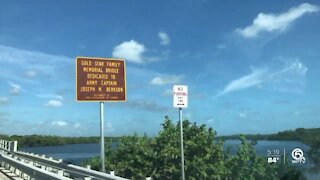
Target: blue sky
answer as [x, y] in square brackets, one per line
[251, 66]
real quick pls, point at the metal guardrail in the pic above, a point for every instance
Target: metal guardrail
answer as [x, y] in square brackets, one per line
[11, 146]
[22, 168]
[33, 166]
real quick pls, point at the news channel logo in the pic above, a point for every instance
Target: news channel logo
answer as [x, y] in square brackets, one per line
[297, 156]
[275, 155]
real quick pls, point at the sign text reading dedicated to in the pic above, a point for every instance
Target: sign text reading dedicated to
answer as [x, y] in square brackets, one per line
[100, 79]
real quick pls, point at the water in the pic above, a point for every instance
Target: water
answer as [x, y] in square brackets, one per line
[73, 153]
[78, 153]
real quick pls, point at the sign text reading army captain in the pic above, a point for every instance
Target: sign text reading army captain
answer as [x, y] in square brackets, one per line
[100, 79]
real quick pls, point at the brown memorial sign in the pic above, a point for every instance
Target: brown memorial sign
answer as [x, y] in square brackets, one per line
[100, 79]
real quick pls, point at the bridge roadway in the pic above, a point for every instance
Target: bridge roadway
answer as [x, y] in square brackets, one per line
[23, 165]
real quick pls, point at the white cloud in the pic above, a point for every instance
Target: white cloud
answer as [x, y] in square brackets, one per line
[27, 58]
[294, 66]
[157, 81]
[254, 78]
[290, 77]
[167, 92]
[130, 51]
[3, 100]
[276, 22]
[54, 103]
[82, 46]
[243, 115]
[20, 65]
[211, 120]
[77, 125]
[297, 113]
[109, 127]
[31, 73]
[221, 46]
[167, 79]
[52, 96]
[184, 54]
[164, 38]
[59, 123]
[15, 88]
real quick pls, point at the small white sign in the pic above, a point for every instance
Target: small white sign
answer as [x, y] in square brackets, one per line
[180, 96]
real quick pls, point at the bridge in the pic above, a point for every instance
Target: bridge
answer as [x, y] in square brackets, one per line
[20, 165]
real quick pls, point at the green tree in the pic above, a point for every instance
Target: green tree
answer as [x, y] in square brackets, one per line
[138, 157]
[132, 158]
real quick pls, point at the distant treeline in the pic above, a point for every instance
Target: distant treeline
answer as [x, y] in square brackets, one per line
[43, 140]
[310, 136]
[307, 136]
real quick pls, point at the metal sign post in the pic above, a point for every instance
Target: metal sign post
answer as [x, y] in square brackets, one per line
[181, 142]
[180, 100]
[103, 169]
